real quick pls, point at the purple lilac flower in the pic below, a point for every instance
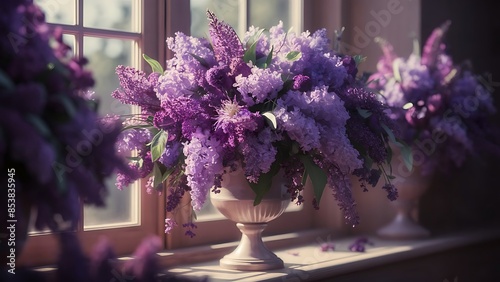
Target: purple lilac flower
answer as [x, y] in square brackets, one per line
[101, 261]
[171, 154]
[190, 226]
[258, 154]
[132, 139]
[235, 121]
[145, 266]
[203, 162]
[137, 88]
[259, 86]
[71, 256]
[214, 106]
[185, 48]
[342, 192]
[169, 225]
[218, 77]
[429, 95]
[51, 130]
[227, 46]
[302, 83]
[325, 247]
[298, 126]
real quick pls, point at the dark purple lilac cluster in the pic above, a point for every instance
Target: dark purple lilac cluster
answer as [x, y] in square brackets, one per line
[441, 108]
[50, 133]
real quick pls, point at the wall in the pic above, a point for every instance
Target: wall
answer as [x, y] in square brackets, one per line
[470, 196]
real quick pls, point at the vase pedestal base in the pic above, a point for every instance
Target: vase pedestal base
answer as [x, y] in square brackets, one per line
[251, 263]
[251, 253]
[403, 227]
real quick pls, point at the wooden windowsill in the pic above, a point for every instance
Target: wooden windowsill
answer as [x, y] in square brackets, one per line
[306, 262]
[309, 263]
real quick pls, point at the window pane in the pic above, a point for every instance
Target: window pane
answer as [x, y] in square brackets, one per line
[104, 55]
[226, 10]
[122, 208]
[59, 11]
[265, 13]
[70, 41]
[110, 14]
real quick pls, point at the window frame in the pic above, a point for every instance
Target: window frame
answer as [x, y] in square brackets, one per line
[43, 248]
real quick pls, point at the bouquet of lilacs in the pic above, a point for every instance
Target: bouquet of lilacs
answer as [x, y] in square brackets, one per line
[271, 101]
[442, 109]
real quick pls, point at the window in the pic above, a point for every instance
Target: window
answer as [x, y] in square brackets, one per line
[116, 32]
[108, 33]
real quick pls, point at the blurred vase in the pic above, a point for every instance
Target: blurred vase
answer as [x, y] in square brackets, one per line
[411, 187]
[235, 202]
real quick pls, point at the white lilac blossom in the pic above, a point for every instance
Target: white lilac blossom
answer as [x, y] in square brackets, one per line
[275, 101]
[431, 97]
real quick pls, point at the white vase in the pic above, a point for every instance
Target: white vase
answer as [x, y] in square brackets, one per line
[411, 187]
[235, 202]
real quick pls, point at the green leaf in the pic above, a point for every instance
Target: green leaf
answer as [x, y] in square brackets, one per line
[271, 119]
[405, 149]
[316, 174]
[358, 59]
[202, 61]
[138, 126]
[407, 156]
[294, 55]
[68, 105]
[364, 113]
[304, 177]
[157, 175]
[155, 65]
[166, 174]
[389, 154]
[390, 134]
[264, 183]
[269, 58]
[250, 54]
[264, 62]
[40, 125]
[158, 145]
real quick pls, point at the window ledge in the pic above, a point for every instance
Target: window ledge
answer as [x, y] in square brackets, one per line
[309, 263]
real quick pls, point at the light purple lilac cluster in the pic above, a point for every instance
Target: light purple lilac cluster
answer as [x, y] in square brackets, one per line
[273, 100]
[441, 108]
[52, 141]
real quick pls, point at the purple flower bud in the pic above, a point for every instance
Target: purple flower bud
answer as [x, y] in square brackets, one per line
[302, 83]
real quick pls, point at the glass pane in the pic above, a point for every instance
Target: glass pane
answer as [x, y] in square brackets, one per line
[226, 10]
[122, 207]
[265, 13]
[104, 56]
[110, 14]
[59, 11]
[70, 41]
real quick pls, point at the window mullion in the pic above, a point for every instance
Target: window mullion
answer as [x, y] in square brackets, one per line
[243, 16]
